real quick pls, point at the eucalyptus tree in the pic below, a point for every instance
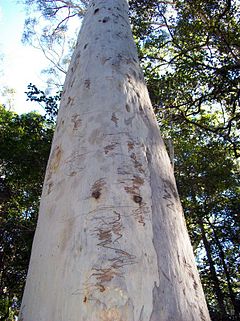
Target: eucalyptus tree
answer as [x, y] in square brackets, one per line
[111, 241]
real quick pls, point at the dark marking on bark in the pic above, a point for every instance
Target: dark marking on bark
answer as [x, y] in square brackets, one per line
[128, 108]
[105, 235]
[101, 287]
[110, 148]
[202, 315]
[96, 194]
[96, 10]
[168, 184]
[87, 83]
[138, 181]
[130, 146]
[109, 231]
[106, 19]
[137, 164]
[50, 187]
[85, 46]
[72, 83]
[141, 212]
[141, 318]
[129, 78]
[85, 300]
[70, 100]
[72, 174]
[148, 155]
[105, 275]
[104, 60]
[137, 199]
[195, 285]
[114, 119]
[123, 171]
[170, 193]
[76, 120]
[140, 108]
[134, 190]
[133, 100]
[97, 188]
[167, 196]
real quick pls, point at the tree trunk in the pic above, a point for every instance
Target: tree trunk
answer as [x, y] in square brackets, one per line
[111, 242]
[218, 292]
[232, 294]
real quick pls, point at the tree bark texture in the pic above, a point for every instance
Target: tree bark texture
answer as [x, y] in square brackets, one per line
[111, 242]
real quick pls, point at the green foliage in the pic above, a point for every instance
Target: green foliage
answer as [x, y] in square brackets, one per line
[192, 66]
[208, 180]
[49, 103]
[52, 27]
[25, 144]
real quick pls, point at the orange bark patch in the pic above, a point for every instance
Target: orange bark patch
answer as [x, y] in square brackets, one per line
[112, 314]
[54, 161]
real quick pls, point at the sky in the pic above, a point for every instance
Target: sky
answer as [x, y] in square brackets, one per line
[20, 64]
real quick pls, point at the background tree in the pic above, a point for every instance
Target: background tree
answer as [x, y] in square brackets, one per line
[25, 143]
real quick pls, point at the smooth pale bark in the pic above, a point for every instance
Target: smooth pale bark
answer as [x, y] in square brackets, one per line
[111, 242]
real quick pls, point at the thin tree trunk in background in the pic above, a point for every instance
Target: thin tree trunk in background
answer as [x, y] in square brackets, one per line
[111, 242]
[216, 285]
[232, 294]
